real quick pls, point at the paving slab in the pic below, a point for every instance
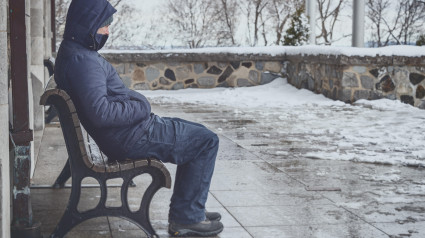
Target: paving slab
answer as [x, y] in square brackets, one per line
[408, 229]
[251, 181]
[305, 214]
[253, 198]
[318, 231]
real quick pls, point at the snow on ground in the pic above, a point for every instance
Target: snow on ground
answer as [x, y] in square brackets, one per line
[380, 131]
[276, 94]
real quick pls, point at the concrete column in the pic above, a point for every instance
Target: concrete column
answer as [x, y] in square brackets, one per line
[4, 126]
[37, 58]
[358, 23]
[47, 36]
[36, 69]
[311, 14]
[30, 90]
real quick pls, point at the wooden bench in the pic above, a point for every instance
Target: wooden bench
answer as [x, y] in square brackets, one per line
[86, 160]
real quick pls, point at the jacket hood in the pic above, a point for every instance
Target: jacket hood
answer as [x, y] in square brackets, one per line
[83, 20]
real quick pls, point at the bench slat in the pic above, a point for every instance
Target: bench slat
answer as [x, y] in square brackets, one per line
[75, 119]
[47, 94]
[158, 164]
[126, 165]
[87, 162]
[112, 168]
[64, 95]
[140, 163]
[79, 134]
[86, 158]
[99, 168]
[71, 106]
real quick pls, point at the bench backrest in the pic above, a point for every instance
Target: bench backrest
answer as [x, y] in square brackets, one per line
[78, 142]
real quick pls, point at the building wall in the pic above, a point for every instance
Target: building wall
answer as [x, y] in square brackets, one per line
[35, 55]
[4, 129]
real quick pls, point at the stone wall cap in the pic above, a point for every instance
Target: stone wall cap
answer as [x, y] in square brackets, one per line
[346, 55]
[399, 50]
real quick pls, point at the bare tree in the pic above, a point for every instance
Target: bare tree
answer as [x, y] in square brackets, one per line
[153, 37]
[280, 12]
[227, 12]
[400, 27]
[61, 10]
[411, 19]
[193, 22]
[377, 13]
[254, 10]
[126, 25]
[329, 13]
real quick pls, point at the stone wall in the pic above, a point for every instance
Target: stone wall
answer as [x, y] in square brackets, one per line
[339, 77]
[185, 71]
[352, 78]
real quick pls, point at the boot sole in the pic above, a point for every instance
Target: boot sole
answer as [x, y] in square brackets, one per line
[188, 232]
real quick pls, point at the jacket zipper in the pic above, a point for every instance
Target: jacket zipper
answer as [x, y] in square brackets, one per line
[94, 42]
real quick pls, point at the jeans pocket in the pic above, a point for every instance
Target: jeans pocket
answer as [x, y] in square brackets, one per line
[163, 133]
[139, 149]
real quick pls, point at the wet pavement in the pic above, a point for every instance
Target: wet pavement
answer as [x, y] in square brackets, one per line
[267, 181]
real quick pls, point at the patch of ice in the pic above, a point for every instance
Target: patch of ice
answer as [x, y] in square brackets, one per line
[281, 153]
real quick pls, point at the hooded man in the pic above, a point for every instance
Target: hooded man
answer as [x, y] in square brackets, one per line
[122, 124]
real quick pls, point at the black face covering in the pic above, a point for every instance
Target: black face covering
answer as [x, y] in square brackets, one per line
[100, 41]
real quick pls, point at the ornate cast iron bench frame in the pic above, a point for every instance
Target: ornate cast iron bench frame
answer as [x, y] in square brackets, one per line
[82, 165]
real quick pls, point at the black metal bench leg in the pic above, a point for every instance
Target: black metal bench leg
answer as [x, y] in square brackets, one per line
[132, 184]
[67, 222]
[63, 176]
[51, 113]
[71, 217]
[142, 215]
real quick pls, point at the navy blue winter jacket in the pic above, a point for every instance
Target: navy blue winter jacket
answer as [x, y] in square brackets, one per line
[115, 116]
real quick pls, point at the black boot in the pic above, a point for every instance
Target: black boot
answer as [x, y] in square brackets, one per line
[203, 228]
[213, 216]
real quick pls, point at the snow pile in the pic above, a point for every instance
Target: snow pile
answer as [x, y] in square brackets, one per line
[275, 94]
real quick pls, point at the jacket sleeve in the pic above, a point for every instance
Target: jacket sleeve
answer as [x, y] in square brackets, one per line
[89, 85]
[135, 95]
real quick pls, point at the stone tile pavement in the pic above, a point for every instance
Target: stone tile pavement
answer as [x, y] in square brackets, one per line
[263, 186]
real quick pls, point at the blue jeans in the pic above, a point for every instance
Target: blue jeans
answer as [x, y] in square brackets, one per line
[193, 148]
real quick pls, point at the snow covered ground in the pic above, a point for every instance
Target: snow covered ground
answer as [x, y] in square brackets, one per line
[381, 131]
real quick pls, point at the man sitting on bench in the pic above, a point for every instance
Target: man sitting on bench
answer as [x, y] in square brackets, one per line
[122, 124]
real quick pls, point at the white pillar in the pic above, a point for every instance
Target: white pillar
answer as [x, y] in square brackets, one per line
[358, 23]
[30, 90]
[37, 58]
[311, 14]
[4, 126]
[47, 36]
